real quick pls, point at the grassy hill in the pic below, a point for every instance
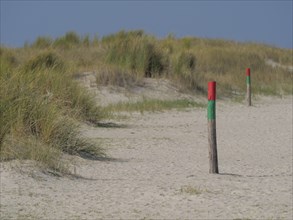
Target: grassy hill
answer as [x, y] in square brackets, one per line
[40, 103]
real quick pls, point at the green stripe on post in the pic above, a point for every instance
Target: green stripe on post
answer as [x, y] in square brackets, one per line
[248, 81]
[248, 87]
[211, 110]
[248, 76]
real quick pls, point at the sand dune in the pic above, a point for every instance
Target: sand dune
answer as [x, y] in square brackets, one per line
[159, 170]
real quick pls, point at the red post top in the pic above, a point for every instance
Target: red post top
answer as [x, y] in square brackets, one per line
[212, 90]
[247, 71]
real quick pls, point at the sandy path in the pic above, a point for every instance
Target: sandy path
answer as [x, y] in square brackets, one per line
[160, 170]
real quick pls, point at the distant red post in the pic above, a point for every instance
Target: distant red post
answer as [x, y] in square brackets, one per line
[212, 136]
[248, 87]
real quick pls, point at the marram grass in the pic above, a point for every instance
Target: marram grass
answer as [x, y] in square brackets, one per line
[40, 105]
[189, 62]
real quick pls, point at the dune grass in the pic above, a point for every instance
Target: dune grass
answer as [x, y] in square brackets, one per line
[152, 105]
[126, 57]
[40, 103]
[192, 62]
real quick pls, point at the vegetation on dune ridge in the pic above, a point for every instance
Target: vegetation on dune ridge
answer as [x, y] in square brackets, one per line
[40, 102]
[127, 57]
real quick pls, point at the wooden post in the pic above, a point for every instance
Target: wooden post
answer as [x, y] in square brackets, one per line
[248, 88]
[212, 136]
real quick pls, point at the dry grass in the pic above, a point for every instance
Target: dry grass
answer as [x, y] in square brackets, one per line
[191, 190]
[39, 107]
[153, 105]
[40, 102]
[126, 57]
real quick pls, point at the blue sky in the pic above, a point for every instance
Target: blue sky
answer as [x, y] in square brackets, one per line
[268, 22]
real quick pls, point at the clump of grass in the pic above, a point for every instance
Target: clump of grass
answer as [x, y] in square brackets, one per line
[152, 105]
[134, 51]
[43, 42]
[31, 148]
[69, 40]
[191, 190]
[8, 59]
[39, 109]
[46, 60]
[67, 137]
[112, 75]
[50, 78]
[183, 72]
[185, 62]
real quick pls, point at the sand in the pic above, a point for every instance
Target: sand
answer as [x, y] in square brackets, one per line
[159, 169]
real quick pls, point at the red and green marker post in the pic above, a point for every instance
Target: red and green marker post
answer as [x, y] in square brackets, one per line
[248, 87]
[212, 100]
[212, 136]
